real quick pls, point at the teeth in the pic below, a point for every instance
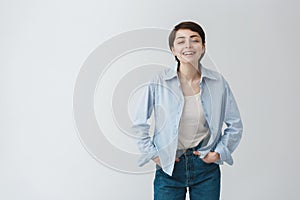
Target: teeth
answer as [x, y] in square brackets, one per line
[188, 53]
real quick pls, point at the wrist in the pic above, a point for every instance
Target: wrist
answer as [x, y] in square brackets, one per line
[217, 155]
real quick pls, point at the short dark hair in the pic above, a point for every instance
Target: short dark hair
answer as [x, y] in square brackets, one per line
[186, 25]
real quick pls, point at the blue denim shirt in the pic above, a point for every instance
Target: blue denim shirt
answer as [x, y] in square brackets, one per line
[164, 95]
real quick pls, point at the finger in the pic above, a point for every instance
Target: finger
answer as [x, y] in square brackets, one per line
[177, 159]
[197, 153]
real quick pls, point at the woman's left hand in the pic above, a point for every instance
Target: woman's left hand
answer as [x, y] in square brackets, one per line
[211, 157]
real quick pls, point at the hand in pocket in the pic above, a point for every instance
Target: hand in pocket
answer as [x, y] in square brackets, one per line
[211, 157]
[157, 161]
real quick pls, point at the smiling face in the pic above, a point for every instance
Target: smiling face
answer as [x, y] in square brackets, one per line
[188, 47]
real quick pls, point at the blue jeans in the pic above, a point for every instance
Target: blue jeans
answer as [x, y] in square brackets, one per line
[202, 180]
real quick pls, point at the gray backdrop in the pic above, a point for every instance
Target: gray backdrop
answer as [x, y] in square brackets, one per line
[44, 44]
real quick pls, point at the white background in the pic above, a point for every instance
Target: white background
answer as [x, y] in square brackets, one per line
[43, 44]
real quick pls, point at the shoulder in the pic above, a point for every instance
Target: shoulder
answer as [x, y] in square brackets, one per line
[212, 74]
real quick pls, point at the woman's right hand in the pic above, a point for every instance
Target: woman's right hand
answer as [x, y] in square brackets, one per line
[157, 161]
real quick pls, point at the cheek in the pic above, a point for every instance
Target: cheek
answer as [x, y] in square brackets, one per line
[176, 51]
[178, 48]
[201, 50]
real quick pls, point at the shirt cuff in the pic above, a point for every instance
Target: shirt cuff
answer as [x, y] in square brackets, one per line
[145, 158]
[225, 155]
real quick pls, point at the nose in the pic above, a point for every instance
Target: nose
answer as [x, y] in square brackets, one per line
[187, 44]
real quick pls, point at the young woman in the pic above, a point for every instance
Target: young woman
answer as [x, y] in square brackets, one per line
[191, 103]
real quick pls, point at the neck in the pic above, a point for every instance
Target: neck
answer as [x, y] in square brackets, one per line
[189, 72]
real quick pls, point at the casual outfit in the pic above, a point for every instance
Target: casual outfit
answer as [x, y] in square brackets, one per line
[184, 124]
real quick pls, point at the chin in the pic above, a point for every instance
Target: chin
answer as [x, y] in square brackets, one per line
[189, 61]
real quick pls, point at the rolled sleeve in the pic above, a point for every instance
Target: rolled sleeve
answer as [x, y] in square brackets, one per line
[232, 134]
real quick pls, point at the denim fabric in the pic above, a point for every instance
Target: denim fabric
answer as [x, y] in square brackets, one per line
[191, 172]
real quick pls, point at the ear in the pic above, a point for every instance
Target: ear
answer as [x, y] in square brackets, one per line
[204, 48]
[173, 51]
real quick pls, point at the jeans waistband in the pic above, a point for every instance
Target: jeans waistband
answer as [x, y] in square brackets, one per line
[179, 152]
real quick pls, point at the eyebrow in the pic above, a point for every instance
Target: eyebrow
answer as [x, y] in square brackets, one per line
[192, 36]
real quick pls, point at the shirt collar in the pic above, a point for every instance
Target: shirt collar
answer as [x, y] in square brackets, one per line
[205, 73]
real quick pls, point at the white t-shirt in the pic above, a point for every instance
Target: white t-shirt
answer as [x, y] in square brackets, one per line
[192, 128]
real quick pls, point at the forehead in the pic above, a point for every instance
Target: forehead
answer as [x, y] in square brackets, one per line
[183, 33]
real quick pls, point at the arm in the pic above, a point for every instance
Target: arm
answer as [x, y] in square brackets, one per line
[233, 132]
[141, 113]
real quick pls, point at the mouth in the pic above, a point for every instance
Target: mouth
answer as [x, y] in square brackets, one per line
[188, 53]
